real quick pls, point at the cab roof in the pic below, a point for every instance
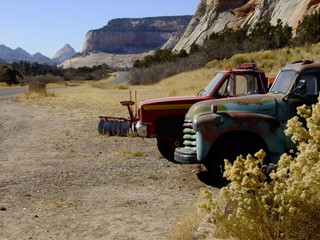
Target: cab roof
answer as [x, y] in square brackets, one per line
[302, 65]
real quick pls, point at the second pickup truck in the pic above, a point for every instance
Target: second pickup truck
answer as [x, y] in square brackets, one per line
[163, 118]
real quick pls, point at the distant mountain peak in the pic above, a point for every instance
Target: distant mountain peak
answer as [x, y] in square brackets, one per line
[22, 52]
[9, 55]
[64, 53]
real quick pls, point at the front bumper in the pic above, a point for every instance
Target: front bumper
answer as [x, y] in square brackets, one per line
[141, 129]
[185, 156]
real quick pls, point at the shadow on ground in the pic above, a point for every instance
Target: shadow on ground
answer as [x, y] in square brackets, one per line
[206, 177]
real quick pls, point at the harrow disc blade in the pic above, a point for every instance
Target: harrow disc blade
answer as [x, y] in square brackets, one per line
[113, 127]
[106, 126]
[100, 126]
[124, 129]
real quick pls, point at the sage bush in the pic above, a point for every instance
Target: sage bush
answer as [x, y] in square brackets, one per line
[286, 206]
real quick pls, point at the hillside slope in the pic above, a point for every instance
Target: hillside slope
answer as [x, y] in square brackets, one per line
[213, 15]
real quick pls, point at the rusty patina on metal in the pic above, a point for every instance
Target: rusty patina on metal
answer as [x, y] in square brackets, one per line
[262, 117]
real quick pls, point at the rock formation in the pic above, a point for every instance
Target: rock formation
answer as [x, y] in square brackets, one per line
[64, 53]
[97, 58]
[135, 35]
[213, 15]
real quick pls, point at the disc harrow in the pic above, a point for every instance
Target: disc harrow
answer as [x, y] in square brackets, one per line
[118, 126]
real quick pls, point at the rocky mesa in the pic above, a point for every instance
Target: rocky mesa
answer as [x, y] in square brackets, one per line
[122, 41]
[135, 35]
[214, 15]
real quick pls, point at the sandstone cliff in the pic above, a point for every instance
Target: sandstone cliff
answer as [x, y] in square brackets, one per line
[213, 15]
[136, 35]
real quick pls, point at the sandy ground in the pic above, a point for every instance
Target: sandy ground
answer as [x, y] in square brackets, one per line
[60, 180]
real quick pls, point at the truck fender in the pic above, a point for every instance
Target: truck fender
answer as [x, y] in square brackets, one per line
[218, 126]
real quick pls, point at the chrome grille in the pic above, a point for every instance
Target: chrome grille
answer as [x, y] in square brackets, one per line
[189, 135]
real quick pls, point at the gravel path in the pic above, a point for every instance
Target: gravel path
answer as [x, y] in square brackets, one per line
[61, 180]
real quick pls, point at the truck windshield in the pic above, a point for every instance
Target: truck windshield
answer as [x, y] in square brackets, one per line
[212, 84]
[283, 82]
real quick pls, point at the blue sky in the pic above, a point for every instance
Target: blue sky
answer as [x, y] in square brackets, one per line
[45, 26]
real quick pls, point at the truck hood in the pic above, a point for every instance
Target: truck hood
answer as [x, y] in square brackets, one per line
[260, 104]
[171, 100]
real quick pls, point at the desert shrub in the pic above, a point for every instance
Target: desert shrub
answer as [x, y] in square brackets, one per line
[38, 88]
[160, 56]
[9, 75]
[155, 73]
[285, 207]
[48, 78]
[123, 86]
[37, 84]
[191, 218]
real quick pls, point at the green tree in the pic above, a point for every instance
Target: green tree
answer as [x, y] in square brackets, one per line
[22, 66]
[163, 55]
[308, 30]
[282, 35]
[9, 75]
[193, 48]
[229, 35]
[262, 34]
[138, 64]
[266, 36]
[182, 54]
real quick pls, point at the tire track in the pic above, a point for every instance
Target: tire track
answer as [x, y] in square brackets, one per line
[4, 133]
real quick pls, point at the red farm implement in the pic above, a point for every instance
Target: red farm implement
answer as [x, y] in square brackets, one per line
[119, 126]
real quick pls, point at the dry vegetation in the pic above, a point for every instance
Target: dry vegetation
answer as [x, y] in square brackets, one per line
[286, 207]
[65, 181]
[238, 225]
[61, 180]
[272, 61]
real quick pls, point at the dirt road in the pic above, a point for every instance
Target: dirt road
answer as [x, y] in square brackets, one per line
[60, 180]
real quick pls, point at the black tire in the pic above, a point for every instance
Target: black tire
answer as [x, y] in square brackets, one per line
[230, 147]
[168, 139]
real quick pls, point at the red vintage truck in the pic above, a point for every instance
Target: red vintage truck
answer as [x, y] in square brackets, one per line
[163, 118]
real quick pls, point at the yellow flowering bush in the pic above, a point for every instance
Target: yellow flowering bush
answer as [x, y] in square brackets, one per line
[287, 206]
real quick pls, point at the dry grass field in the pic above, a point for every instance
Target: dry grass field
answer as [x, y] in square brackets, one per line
[61, 180]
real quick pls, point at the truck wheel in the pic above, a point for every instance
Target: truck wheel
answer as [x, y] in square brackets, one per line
[168, 139]
[230, 148]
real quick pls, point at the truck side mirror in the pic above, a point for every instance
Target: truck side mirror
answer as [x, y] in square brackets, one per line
[301, 90]
[307, 86]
